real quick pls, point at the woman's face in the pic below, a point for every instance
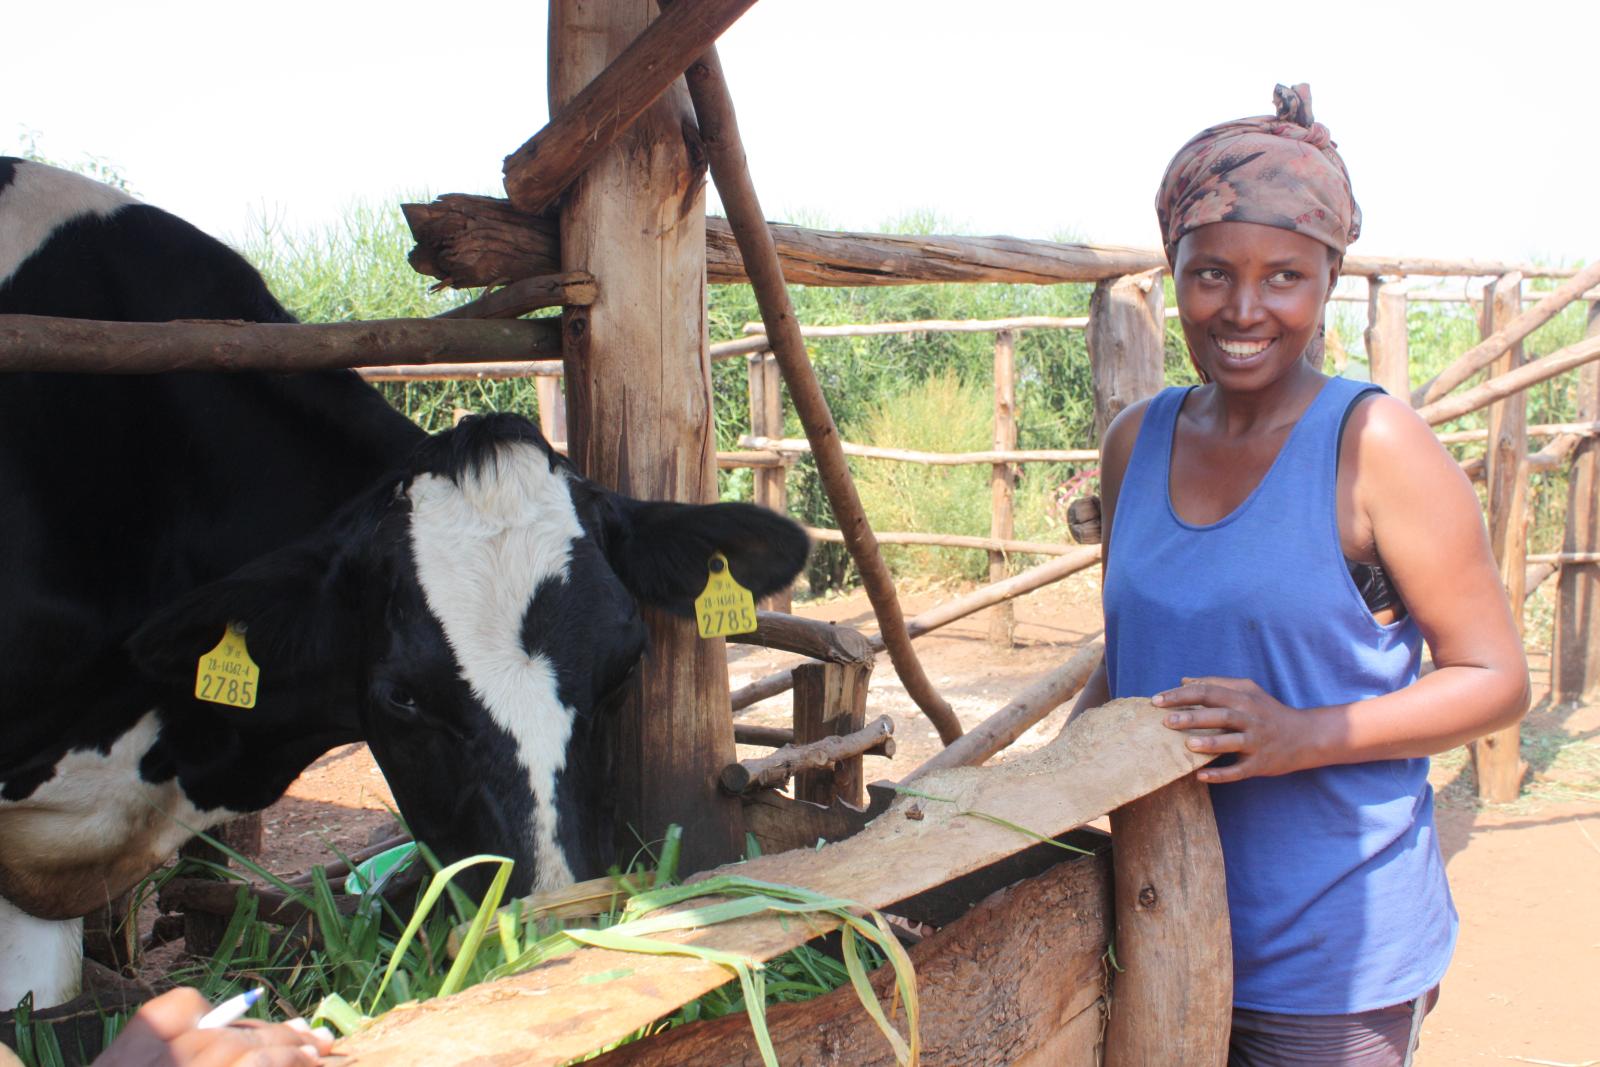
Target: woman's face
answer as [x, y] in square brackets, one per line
[1250, 298]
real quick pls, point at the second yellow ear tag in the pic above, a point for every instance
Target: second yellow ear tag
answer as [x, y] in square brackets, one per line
[227, 674]
[726, 607]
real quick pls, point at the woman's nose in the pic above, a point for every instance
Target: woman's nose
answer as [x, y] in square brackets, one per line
[1244, 308]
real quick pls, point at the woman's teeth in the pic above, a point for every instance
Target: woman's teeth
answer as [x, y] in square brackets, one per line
[1242, 348]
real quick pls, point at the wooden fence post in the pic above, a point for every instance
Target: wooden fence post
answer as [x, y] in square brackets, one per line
[1497, 757]
[771, 488]
[830, 699]
[1126, 336]
[1576, 670]
[1387, 354]
[1002, 478]
[552, 408]
[636, 220]
[1172, 1001]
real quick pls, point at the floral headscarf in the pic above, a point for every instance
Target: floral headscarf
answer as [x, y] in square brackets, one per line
[1281, 170]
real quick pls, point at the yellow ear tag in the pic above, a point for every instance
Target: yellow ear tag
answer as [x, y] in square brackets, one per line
[726, 607]
[227, 674]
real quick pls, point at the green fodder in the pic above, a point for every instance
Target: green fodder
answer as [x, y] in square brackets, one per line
[939, 414]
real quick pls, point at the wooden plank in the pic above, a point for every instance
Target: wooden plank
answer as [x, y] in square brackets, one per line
[1002, 479]
[1018, 979]
[830, 700]
[1173, 939]
[1576, 671]
[1126, 339]
[591, 121]
[1388, 355]
[636, 219]
[87, 346]
[1497, 757]
[1104, 759]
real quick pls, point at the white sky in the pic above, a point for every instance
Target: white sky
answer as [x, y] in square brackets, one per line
[1467, 127]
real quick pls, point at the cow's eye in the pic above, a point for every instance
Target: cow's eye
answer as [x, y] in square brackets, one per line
[400, 699]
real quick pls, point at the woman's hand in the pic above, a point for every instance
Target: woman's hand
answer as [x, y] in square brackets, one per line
[162, 1034]
[1268, 737]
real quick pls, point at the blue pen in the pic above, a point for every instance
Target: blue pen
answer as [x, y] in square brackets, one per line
[230, 1010]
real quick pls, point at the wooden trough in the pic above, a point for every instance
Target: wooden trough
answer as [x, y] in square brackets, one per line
[1022, 969]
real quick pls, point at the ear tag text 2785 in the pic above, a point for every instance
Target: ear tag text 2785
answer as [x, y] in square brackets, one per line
[227, 674]
[726, 607]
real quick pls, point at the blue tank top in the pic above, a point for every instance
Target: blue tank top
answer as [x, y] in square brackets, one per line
[1336, 887]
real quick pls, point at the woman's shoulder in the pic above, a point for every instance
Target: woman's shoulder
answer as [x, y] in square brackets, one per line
[1380, 425]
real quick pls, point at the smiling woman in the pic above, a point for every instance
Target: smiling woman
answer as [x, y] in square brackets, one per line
[1258, 529]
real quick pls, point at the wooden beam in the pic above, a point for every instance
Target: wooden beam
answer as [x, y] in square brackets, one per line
[778, 736]
[1388, 355]
[1497, 757]
[571, 1006]
[451, 372]
[1575, 673]
[576, 289]
[933, 459]
[1002, 480]
[999, 730]
[1446, 268]
[592, 121]
[1507, 333]
[1504, 385]
[800, 757]
[1127, 340]
[465, 240]
[86, 346]
[635, 218]
[943, 615]
[725, 152]
[813, 638]
[985, 544]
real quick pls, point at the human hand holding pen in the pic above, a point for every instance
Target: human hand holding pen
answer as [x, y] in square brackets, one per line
[167, 1032]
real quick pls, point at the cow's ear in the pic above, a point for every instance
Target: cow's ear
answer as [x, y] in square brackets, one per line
[661, 551]
[299, 609]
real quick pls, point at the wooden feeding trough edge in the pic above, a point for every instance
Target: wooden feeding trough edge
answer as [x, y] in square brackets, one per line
[568, 1007]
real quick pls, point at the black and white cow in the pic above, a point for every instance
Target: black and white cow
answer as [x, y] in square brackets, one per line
[464, 603]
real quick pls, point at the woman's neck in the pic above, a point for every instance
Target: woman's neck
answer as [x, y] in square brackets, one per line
[1279, 404]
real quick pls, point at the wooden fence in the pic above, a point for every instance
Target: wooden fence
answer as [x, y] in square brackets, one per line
[1125, 332]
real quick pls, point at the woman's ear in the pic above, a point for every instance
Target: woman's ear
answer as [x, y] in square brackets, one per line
[1335, 267]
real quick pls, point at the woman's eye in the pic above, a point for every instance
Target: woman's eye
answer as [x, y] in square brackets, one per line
[1210, 274]
[1287, 277]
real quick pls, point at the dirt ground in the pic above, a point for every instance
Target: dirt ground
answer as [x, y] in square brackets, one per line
[1525, 983]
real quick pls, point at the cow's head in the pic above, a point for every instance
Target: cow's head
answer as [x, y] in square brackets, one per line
[473, 621]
